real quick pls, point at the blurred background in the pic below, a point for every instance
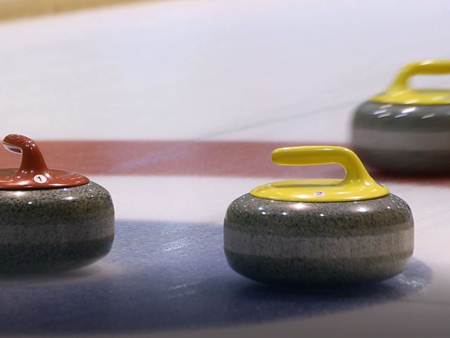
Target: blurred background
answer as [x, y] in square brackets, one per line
[13, 9]
[209, 69]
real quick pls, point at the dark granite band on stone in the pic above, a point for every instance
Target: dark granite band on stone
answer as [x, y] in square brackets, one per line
[406, 118]
[53, 257]
[268, 217]
[316, 272]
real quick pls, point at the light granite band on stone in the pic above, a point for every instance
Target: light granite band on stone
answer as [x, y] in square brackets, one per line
[377, 139]
[316, 248]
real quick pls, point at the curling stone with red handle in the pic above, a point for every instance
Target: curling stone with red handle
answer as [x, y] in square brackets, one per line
[319, 231]
[50, 220]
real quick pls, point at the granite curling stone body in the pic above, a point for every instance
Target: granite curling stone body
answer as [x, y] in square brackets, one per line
[50, 220]
[319, 232]
[406, 130]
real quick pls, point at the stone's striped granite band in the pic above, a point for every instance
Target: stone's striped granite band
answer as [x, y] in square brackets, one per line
[316, 248]
[56, 216]
[67, 233]
[318, 243]
[377, 139]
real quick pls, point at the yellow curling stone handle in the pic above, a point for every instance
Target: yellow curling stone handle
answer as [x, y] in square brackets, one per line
[400, 93]
[357, 185]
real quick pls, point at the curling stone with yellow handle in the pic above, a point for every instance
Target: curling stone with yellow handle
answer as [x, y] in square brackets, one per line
[50, 220]
[403, 129]
[319, 231]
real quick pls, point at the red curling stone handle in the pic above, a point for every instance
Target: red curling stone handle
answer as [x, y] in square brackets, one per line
[33, 172]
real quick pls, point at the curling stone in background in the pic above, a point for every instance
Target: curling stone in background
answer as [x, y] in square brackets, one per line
[406, 130]
[319, 231]
[50, 220]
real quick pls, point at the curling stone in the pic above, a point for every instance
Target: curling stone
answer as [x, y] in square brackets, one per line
[319, 231]
[50, 220]
[406, 130]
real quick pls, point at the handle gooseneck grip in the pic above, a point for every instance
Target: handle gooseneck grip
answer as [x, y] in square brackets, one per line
[33, 172]
[429, 67]
[32, 160]
[399, 91]
[319, 155]
[357, 185]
